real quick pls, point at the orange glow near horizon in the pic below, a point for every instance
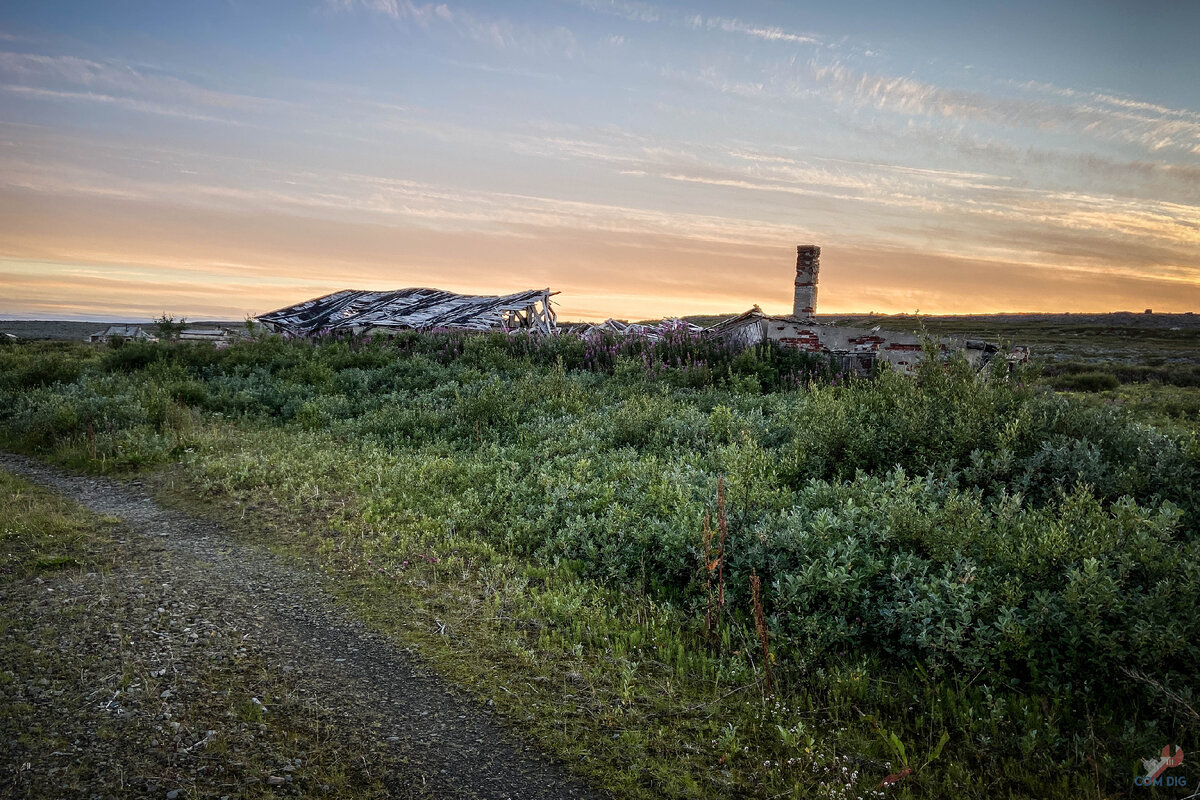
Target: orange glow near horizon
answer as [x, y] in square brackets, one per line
[72, 263]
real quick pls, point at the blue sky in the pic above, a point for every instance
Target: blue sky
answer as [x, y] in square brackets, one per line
[222, 159]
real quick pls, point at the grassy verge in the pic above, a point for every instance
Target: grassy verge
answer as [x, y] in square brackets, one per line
[630, 692]
[43, 533]
[105, 692]
[1173, 407]
[624, 690]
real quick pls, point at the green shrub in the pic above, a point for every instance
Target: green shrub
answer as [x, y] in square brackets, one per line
[43, 369]
[1093, 381]
[133, 356]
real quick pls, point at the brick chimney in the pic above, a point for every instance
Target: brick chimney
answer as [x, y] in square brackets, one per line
[808, 264]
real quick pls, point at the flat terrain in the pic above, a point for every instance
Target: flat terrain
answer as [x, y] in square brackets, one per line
[684, 571]
[74, 330]
[1117, 337]
[1114, 338]
[53, 329]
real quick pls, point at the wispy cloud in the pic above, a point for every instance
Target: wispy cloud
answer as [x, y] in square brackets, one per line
[397, 9]
[625, 9]
[128, 103]
[1026, 224]
[1151, 127]
[498, 32]
[646, 12]
[70, 78]
[766, 33]
[389, 201]
[1115, 101]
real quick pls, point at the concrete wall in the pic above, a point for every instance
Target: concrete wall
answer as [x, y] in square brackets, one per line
[901, 350]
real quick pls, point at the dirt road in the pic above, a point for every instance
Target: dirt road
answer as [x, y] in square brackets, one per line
[193, 582]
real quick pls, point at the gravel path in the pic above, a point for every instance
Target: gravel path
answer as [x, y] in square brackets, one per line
[452, 747]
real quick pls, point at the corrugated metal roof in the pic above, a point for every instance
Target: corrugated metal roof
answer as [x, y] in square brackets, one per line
[352, 310]
[126, 331]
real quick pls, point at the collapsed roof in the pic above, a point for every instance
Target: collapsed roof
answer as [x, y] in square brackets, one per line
[357, 311]
[651, 330]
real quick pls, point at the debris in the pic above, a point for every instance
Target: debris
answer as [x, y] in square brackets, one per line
[651, 331]
[895, 777]
[858, 349]
[365, 312]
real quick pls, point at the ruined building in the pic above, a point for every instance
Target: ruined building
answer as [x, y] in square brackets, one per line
[371, 313]
[353, 311]
[858, 348]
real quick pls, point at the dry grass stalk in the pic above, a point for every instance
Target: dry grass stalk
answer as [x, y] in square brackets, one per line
[714, 563]
[709, 563]
[760, 625]
[1182, 706]
[721, 527]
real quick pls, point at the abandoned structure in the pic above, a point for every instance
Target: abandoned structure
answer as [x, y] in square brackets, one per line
[650, 330]
[133, 332]
[369, 312]
[857, 348]
[220, 336]
[361, 312]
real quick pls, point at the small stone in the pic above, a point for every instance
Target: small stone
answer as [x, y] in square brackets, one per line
[275, 780]
[171, 795]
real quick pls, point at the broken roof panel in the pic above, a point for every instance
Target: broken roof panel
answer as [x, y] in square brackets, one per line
[650, 330]
[352, 310]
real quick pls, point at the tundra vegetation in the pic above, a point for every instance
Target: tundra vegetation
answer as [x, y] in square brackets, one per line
[694, 572]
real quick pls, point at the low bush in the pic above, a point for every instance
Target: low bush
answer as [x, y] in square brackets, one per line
[1155, 370]
[1091, 381]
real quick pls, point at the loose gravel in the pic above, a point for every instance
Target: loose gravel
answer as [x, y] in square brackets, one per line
[185, 599]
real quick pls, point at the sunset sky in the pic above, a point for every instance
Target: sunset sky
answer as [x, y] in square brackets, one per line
[221, 159]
